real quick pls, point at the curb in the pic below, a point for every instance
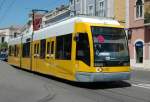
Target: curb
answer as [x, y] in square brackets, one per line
[140, 69]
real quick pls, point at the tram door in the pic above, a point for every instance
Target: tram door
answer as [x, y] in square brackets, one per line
[36, 56]
[49, 60]
[50, 49]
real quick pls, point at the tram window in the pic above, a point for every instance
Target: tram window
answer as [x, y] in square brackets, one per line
[48, 47]
[26, 50]
[52, 47]
[10, 50]
[37, 48]
[34, 48]
[83, 49]
[42, 48]
[15, 50]
[63, 47]
[18, 51]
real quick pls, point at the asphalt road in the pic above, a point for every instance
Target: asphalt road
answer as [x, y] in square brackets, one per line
[22, 86]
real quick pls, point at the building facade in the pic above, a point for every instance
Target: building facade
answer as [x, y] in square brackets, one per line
[133, 14]
[137, 21]
[56, 15]
[8, 33]
[101, 8]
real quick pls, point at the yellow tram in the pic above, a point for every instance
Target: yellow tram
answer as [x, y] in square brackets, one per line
[82, 49]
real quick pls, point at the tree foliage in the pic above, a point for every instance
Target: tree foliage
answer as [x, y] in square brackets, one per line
[4, 45]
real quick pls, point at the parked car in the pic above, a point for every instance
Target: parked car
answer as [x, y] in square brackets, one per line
[3, 57]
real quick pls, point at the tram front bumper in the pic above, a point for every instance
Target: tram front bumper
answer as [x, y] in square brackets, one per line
[102, 77]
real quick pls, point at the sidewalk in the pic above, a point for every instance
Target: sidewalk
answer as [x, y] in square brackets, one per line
[140, 75]
[140, 69]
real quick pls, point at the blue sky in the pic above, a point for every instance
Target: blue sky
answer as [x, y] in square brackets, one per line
[15, 12]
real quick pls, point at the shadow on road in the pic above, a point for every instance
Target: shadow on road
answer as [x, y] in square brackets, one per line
[93, 85]
[103, 85]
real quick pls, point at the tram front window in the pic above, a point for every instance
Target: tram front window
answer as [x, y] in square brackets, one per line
[110, 46]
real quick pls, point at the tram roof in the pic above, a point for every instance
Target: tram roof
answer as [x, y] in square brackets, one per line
[65, 26]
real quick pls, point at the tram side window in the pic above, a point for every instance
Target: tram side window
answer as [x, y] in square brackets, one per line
[15, 51]
[26, 50]
[63, 47]
[48, 47]
[83, 49]
[34, 48]
[52, 47]
[10, 50]
[18, 51]
[37, 48]
[42, 48]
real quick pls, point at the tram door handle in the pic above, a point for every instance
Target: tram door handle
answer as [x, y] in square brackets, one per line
[37, 55]
[34, 55]
[52, 56]
[47, 56]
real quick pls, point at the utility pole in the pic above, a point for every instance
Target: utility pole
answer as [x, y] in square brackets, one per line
[74, 6]
[95, 7]
[33, 22]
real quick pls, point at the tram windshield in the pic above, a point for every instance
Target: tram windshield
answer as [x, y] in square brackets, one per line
[110, 46]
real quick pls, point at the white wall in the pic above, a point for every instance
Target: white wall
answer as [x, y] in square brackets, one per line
[6, 32]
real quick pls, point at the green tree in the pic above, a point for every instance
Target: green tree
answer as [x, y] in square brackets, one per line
[4, 46]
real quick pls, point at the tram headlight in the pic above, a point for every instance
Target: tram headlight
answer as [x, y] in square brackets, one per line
[98, 69]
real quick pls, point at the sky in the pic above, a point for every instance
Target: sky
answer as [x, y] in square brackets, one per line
[15, 12]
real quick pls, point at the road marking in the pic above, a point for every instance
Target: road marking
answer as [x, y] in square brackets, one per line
[146, 86]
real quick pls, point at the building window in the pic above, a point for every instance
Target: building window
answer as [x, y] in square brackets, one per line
[42, 48]
[139, 9]
[71, 2]
[139, 52]
[101, 9]
[91, 10]
[63, 47]
[3, 39]
[15, 35]
[77, 1]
